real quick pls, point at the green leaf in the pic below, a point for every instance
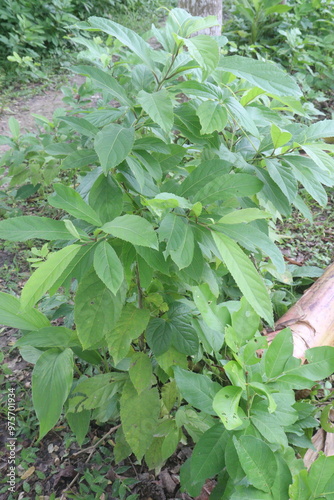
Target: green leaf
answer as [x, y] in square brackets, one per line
[265, 75]
[154, 259]
[134, 229]
[131, 323]
[208, 457]
[140, 371]
[268, 426]
[212, 115]
[301, 489]
[96, 310]
[214, 316]
[106, 82]
[113, 144]
[251, 238]
[308, 177]
[279, 136]
[51, 383]
[273, 192]
[106, 198]
[26, 227]
[197, 389]
[108, 267]
[159, 335]
[79, 159]
[283, 177]
[244, 215]
[184, 336]
[226, 406]
[321, 477]
[50, 336]
[46, 275]
[69, 200]
[11, 314]
[127, 37]
[319, 130]
[93, 392]
[240, 115]
[202, 175]
[245, 275]
[258, 462]
[227, 186]
[159, 107]
[204, 49]
[79, 424]
[180, 240]
[139, 417]
[80, 125]
[278, 353]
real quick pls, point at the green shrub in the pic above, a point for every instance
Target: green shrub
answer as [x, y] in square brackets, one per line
[165, 250]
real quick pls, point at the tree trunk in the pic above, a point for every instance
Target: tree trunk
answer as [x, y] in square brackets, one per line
[205, 8]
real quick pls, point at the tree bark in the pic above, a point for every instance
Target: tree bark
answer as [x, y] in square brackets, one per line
[205, 8]
[311, 319]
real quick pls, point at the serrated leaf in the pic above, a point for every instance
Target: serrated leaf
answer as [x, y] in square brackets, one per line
[11, 314]
[127, 37]
[205, 51]
[46, 275]
[208, 457]
[240, 115]
[94, 391]
[159, 107]
[159, 335]
[50, 336]
[184, 337]
[108, 267]
[27, 227]
[106, 198]
[226, 406]
[105, 81]
[113, 144]
[134, 229]
[70, 200]
[212, 116]
[180, 240]
[140, 371]
[79, 159]
[96, 310]
[258, 462]
[265, 75]
[279, 136]
[227, 186]
[284, 178]
[197, 389]
[245, 275]
[131, 323]
[202, 175]
[139, 416]
[244, 215]
[80, 125]
[51, 383]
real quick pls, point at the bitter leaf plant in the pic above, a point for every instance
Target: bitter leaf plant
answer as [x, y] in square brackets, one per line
[167, 253]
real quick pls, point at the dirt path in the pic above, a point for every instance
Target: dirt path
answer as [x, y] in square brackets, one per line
[44, 103]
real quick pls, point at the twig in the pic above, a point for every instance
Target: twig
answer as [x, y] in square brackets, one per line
[94, 446]
[91, 450]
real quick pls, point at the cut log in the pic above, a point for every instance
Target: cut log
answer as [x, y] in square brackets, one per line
[311, 319]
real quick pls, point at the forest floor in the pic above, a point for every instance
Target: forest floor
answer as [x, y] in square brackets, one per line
[57, 467]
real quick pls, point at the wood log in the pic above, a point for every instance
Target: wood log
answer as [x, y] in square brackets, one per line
[311, 319]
